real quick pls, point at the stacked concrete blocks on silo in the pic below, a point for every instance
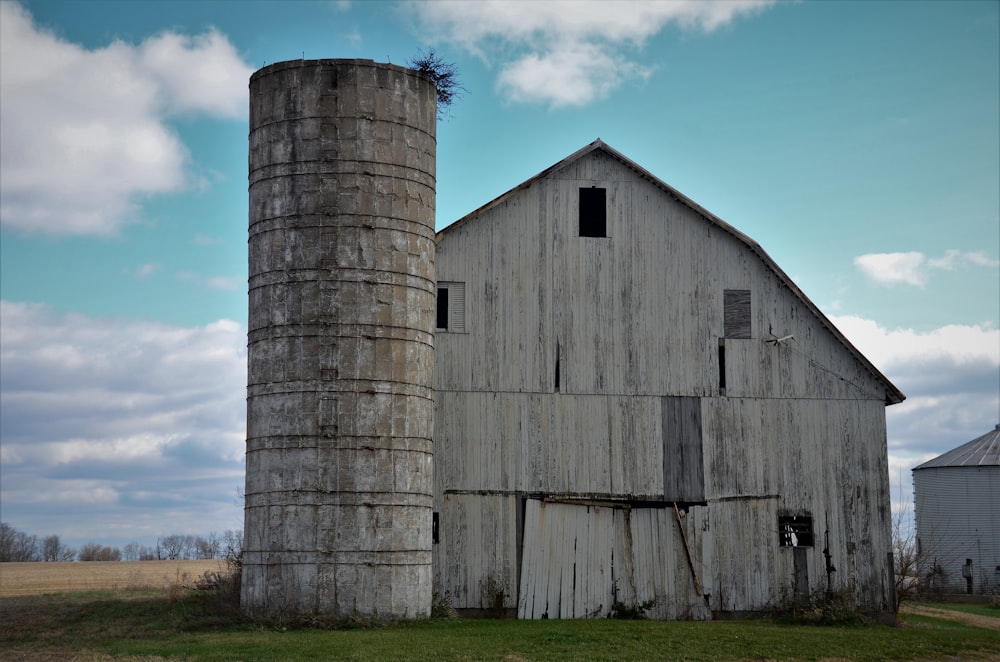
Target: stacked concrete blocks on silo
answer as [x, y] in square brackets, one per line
[340, 343]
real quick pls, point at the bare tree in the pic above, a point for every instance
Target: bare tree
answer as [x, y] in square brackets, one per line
[54, 550]
[232, 544]
[207, 548]
[94, 551]
[176, 546]
[17, 546]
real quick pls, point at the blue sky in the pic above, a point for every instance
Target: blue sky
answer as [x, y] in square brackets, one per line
[858, 143]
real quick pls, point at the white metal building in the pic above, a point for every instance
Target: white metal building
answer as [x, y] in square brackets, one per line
[957, 506]
[635, 403]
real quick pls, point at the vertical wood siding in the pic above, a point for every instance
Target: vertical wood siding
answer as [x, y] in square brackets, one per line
[638, 317]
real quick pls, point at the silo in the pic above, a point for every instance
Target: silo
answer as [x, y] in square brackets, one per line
[340, 341]
[956, 498]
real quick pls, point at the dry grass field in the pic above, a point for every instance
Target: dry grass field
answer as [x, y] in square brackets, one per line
[19, 579]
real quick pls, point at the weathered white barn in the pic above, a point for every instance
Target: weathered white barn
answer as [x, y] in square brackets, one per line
[957, 508]
[635, 403]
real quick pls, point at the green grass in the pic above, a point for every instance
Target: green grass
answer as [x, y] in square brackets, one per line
[134, 626]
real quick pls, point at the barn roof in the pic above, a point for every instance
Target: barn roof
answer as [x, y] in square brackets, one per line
[982, 451]
[892, 394]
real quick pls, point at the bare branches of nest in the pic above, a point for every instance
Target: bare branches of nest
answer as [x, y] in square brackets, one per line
[443, 74]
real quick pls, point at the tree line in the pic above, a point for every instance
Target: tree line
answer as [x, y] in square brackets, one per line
[20, 546]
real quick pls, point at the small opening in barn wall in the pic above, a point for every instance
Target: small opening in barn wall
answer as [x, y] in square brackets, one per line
[722, 366]
[557, 368]
[736, 313]
[434, 529]
[593, 212]
[795, 530]
[442, 309]
[450, 307]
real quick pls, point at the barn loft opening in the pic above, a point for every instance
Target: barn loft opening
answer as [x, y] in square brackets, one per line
[450, 307]
[593, 212]
[795, 530]
[442, 309]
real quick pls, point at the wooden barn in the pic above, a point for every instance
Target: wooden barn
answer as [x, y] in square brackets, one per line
[637, 407]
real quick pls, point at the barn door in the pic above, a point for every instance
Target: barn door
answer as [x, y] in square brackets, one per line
[566, 562]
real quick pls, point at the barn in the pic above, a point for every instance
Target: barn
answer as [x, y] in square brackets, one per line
[636, 408]
[957, 508]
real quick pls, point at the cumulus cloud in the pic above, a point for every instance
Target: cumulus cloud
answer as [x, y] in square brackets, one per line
[140, 424]
[85, 132]
[912, 268]
[567, 52]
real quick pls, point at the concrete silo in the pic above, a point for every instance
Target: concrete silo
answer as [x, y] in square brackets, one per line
[339, 396]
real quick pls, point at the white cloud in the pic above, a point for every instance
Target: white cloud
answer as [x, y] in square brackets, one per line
[84, 132]
[105, 411]
[956, 343]
[911, 268]
[893, 268]
[569, 52]
[953, 258]
[223, 282]
[144, 271]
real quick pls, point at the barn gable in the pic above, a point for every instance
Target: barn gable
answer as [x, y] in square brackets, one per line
[633, 402]
[500, 210]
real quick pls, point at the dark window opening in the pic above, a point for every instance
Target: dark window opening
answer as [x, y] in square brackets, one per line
[593, 212]
[736, 313]
[795, 530]
[435, 538]
[557, 367]
[442, 308]
[722, 366]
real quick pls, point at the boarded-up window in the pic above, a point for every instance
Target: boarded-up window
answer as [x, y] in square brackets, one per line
[795, 530]
[450, 307]
[683, 464]
[593, 212]
[736, 313]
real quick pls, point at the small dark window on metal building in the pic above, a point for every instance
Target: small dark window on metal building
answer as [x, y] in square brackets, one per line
[442, 308]
[593, 212]
[435, 538]
[795, 530]
[736, 313]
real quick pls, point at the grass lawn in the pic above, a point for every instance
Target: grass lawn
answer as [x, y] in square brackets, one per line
[154, 625]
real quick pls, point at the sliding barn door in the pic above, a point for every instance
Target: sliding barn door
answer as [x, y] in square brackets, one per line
[578, 559]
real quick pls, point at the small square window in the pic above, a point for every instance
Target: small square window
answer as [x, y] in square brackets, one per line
[593, 212]
[795, 530]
